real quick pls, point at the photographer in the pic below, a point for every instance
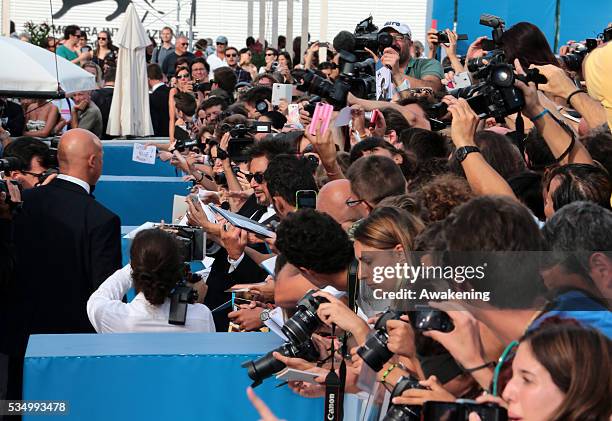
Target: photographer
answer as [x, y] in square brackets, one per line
[408, 72]
[551, 379]
[34, 154]
[156, 268]
[450, 48]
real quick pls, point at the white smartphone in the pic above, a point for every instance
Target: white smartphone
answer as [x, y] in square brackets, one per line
[281, 91]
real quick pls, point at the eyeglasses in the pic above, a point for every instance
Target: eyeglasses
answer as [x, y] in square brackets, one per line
[269, 54]
[231, 55]
[400, 37]
[353, 202]
[183, 43]
[258, 177]
[183, 76]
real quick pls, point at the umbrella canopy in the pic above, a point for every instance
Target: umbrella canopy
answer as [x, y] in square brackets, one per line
[30, 71]
[129, 113]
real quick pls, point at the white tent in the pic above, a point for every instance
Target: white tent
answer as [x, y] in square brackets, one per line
[129, 113]
[31, 71]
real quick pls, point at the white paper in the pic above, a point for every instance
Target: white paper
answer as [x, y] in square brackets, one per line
[147, 225]
[383, 84]
[344, 117]
[208, 261]
[291, 374]
[242, 222]
[144, 154]
[276, 322]
[269, 265]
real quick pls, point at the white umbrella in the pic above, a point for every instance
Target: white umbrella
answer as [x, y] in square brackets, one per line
[31, 71]
[129, 113]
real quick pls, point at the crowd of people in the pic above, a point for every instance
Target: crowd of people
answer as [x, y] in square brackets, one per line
[423, 172]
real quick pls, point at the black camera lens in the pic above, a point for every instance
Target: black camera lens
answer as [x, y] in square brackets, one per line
[502, 76]
[385, 40]
[375, 352]
[261, 106]
[426, 318]
[305, 321]
[404, 412]
[264, 367]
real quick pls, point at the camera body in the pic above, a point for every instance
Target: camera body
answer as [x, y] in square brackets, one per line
[573, 60]
[461, 409]
[191, 239]
[443, 37]
[11, 163]
[298, 330]
[202, 86]
[220, 178]
[375, 352]
[183, 145]
[404, 412]
[425, 318]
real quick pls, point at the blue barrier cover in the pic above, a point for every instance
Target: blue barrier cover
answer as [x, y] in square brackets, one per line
[170, 376]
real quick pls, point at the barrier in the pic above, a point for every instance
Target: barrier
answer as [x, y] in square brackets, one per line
[169, 376]
[118, 160]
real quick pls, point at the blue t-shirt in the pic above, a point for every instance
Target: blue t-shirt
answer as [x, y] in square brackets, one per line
[575, 304]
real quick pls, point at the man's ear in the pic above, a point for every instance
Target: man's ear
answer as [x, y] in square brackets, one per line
[91, 161]
[600, 270]
[398, 159]
[392, 137]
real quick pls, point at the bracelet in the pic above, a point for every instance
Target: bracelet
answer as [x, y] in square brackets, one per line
[480, 367]
[544, 112]
[202, 178]
[387, 372]
[569, 98]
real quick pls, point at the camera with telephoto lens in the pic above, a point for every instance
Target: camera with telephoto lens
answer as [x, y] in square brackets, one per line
[298, 329]
[495, 94]
[355, 77]
[573, 60]
[404, 412]
[461, 409]
[424, 318]
[375, 352]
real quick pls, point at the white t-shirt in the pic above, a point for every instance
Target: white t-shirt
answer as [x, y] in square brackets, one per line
[108, 314]
[215, 62]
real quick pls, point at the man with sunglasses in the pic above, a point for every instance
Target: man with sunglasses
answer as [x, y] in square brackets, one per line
[34, 154]
[69, 49]
[180, 50]
[218, 59]
[231, 58]
[407, 71]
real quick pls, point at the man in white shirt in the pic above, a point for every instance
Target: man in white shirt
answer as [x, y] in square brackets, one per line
[218, 59]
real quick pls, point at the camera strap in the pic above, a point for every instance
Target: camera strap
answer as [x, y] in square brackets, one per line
[334, 387]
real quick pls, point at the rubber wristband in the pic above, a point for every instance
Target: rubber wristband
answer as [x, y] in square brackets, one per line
[539, 116]
[569, 98]
[480, 367]
[387, 372]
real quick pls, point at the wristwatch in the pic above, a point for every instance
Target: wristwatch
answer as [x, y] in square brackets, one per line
[264, 315]
[464, 151]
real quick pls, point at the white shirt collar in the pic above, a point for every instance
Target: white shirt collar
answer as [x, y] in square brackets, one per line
[75, 180]
[156, 86]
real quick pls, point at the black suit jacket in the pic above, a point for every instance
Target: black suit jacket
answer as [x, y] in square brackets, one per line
[219, 280]
[66, 245]
[160, 113]
[103, 98]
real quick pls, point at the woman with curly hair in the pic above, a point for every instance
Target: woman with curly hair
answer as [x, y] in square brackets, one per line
[156, 267]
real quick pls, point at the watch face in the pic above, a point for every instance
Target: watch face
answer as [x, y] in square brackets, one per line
[461, 154]
[265, 315]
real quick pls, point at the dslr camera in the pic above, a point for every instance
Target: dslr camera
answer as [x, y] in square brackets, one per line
[375, 352]
[404, 412]
[461, 409]
[424, 318]
[298, 330]
[573, 60]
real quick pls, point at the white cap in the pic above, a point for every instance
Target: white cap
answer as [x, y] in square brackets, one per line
[400, 27]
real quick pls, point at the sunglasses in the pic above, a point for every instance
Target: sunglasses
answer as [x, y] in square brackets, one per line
[183, 76]
[102, 39]
[183, 43]
[269, 54]
[258, 177]
[231, 55]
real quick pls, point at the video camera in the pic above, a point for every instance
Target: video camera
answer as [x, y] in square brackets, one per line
[192, 240]
[298, 330]
[188, 144]
[357, 68]
[495, 95]
[573, 60]
[240, 138]
[182, 295]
